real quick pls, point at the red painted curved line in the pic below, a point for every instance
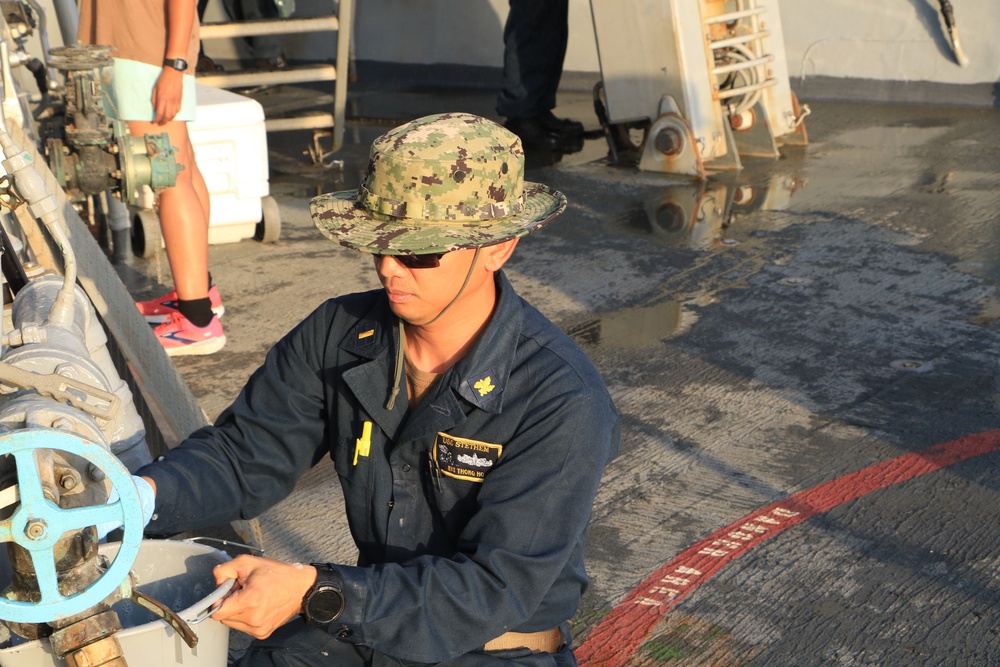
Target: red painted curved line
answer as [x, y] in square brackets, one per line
[618, 636]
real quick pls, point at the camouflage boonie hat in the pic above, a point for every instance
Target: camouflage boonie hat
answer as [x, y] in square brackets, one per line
[436, 184]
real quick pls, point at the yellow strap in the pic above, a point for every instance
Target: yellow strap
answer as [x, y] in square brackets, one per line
[363, 445]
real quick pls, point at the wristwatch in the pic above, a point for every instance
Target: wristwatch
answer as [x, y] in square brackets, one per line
[178, 64]
[324, 602]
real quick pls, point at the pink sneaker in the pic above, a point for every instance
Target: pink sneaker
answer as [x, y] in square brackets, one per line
[157, 310]
[180, 338]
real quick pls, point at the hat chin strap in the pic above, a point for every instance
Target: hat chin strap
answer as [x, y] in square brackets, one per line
[402, 335]
[451, 303]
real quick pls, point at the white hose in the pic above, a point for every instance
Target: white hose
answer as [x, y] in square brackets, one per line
[752, 76]
[758, 72]
[45, 208]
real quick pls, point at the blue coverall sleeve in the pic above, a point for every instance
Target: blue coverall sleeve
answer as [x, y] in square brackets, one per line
[251, 458]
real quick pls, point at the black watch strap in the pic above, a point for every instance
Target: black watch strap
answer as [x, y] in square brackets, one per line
[178, 64]
[324, 602]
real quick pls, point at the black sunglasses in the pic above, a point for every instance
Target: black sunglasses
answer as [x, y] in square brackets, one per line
[428, 261]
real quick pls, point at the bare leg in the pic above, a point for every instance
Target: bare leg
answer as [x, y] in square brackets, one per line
[184, 214]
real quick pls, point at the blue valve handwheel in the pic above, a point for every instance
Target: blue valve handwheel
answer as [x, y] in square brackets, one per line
[38, 523]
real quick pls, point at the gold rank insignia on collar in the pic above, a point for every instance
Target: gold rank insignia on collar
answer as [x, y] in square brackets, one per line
[364, 334]
[485, 386]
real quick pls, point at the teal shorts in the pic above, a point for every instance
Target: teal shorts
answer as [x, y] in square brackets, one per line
[130, 92]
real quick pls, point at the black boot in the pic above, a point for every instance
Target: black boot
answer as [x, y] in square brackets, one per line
[563, 127]
[532, 132]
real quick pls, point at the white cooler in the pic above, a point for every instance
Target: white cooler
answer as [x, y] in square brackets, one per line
[230, 144]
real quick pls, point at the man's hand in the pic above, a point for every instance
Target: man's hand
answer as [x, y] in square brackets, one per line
[267, 594]
[167, 95]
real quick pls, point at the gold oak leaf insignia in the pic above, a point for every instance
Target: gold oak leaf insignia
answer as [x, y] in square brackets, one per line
[484, 386]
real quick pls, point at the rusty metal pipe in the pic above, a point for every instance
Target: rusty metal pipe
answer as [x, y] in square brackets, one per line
[106, 652]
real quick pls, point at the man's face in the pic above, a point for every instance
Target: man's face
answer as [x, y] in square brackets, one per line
[417, 296]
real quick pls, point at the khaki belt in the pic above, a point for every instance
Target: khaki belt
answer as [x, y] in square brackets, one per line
[547, 641]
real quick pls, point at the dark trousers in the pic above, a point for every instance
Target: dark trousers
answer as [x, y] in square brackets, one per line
[296, 644]
[299, 645]
[535, 38]
[265, 47]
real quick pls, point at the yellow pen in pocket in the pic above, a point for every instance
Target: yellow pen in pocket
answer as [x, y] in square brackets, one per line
[363, 445]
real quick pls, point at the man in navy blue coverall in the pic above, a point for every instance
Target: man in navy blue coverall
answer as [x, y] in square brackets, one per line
[469, 434]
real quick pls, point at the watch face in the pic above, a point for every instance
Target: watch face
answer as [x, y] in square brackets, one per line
[325, 604]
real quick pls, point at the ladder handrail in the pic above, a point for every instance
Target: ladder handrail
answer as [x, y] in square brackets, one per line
[734, 16]
[269, 27]
[740, 39]
[744, 64]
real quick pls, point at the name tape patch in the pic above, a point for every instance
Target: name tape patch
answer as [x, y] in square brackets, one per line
[462, 458]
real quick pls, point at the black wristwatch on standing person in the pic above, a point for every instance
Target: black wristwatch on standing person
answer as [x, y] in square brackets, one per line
[178, 64]
[324, 602]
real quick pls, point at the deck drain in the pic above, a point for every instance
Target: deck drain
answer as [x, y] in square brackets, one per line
[912, 365]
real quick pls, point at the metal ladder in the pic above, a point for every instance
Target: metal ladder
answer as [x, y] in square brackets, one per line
[742, 54]
[706, 80]
[339, 22]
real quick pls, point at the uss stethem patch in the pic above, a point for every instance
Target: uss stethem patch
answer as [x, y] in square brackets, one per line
[462, 458]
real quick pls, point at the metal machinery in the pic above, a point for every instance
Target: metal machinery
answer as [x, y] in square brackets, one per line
[691, 85]
[70, 429]
[69, 432]
[95, 160]
[92, 156]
